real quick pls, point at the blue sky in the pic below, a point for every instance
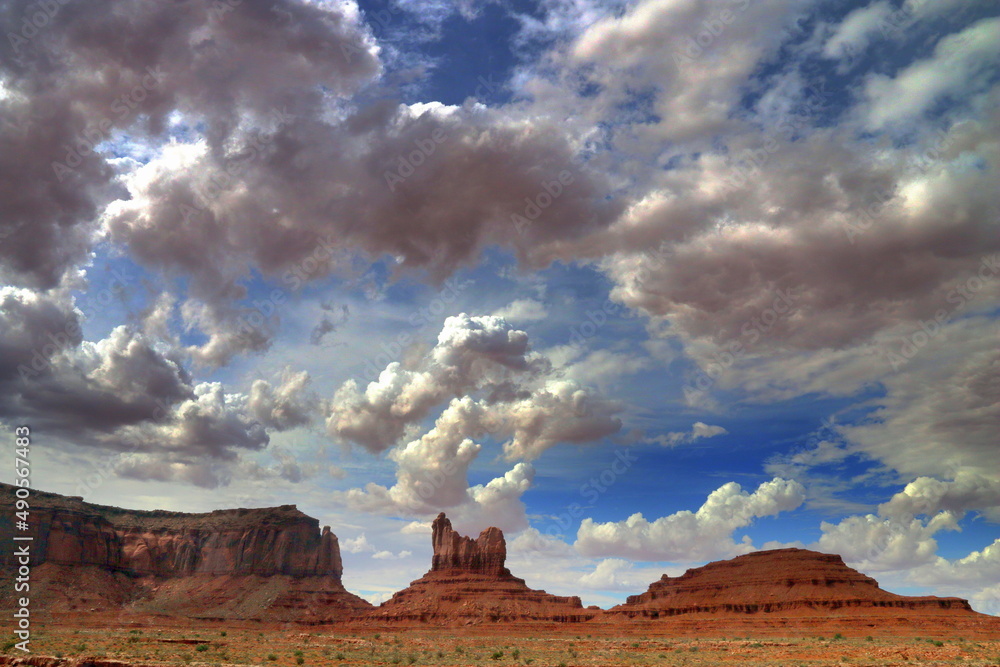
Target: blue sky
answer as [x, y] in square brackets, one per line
[646, 284]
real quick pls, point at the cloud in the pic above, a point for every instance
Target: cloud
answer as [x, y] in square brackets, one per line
[472, 353]
[240, 119]
[927, 496]
[608, 575]
[491, 384]
[72, 387]
[691, 536]
[948, 432]
[131, 395]
[286, 406]
[559, 411]
[523, 310]
[875, 544]
[222, 67]
[962, 67]
[698, 431]
[483, 355]
[689, 58]
[854, 32]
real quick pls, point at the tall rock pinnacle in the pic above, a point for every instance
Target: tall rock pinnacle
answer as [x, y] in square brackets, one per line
[485, 555]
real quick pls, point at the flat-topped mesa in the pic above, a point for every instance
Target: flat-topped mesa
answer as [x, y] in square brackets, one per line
[183, 563]
[780, 580]
[265, 541]
[485, 555]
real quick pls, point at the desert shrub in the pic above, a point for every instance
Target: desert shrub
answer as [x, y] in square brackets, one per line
[272, 657]
[496, 655]
[201, 648]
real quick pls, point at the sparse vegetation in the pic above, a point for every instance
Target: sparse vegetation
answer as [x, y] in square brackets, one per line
[467, 647]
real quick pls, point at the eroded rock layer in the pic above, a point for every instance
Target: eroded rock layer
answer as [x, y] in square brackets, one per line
[781, 581]
[468, 584]
[96, 557]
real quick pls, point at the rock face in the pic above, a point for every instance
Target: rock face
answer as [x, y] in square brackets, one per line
[144, 555]
[452, 551]
[796, 581]
[468, 584]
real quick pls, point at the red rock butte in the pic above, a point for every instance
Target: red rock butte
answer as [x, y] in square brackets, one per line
[468, 584]
[797, 589]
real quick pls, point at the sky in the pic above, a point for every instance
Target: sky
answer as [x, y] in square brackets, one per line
[646, 284]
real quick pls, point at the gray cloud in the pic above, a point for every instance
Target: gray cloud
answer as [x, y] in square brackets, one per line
[76, 83]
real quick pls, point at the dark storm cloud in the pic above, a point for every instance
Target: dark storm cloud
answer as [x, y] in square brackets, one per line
[125, 395]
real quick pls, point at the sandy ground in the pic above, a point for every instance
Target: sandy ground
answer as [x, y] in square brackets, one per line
[154, 641]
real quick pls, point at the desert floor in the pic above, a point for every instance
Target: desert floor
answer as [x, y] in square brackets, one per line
[217, 643]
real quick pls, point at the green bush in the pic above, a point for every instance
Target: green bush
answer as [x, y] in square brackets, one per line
[201, 648]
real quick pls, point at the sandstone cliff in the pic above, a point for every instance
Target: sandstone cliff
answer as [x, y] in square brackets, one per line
[165, 561]
[453, 551]
[469, 584]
